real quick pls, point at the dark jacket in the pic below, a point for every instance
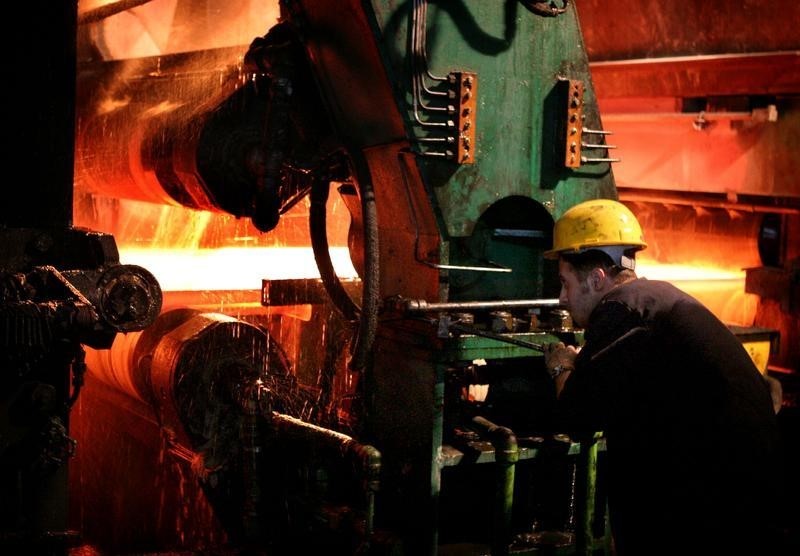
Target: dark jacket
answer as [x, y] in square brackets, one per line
[692, 440]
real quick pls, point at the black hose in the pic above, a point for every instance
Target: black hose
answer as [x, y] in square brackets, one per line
[317, 218]
[370, 296]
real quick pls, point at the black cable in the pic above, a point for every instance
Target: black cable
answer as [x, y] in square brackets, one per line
[370, 296]
[317, 219]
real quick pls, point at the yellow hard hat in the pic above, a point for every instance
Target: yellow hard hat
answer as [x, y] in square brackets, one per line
[593, 225]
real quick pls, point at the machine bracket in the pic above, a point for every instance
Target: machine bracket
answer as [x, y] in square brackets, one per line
[465, 86]
[573, 132]
[574, 122]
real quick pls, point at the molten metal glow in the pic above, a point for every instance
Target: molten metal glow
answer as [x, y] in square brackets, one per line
[232, 268]
[683, 272]
[721, 290]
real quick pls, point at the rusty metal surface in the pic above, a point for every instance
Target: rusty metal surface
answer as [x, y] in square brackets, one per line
[651, 48]
[764, 73]
[654, 28]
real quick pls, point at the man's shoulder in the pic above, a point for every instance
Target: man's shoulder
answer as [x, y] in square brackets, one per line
[649, 297]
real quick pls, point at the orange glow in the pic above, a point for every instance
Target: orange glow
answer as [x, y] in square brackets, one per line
[682, 272]
[232, 268]
[720, 289]
[235, 303]
[158, 27]
[702, 251]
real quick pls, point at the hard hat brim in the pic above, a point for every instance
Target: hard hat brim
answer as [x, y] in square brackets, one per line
[556, 253]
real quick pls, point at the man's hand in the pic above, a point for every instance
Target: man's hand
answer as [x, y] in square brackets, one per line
[559, 359]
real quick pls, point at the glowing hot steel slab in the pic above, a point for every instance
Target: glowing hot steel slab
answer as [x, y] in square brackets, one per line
[232, 268]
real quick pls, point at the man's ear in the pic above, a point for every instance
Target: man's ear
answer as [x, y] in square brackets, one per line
[597, 278]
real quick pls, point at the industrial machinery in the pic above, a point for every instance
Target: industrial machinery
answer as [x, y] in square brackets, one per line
[455, 133]
[63, 288]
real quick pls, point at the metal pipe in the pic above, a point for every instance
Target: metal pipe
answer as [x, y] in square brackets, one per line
[506, 455]
[692, 116]
[106, 11]
[422, 306]
[370, 462]
[586, 487]
[736, 57]
[250, 435]
[367, 458]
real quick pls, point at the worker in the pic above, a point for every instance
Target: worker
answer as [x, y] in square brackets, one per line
[692, 441]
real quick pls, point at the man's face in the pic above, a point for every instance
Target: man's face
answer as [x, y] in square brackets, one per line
[576, 295]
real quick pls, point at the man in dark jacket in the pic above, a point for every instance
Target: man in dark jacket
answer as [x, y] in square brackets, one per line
[692, 440]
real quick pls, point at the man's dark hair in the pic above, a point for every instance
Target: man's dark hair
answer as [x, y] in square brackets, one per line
[585, 261]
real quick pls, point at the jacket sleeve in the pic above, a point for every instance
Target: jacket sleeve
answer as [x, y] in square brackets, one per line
[602, 389]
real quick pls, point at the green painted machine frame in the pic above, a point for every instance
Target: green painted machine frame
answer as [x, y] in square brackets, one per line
[471, 126]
